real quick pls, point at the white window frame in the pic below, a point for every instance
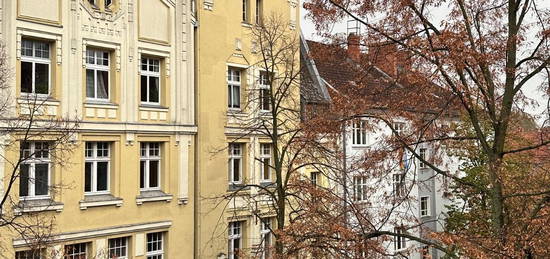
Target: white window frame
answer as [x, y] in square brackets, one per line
[235, 156]
[263, 89]
[266, 158]
[235, 234]
[147, 158]
[96, 68]
[78, 254]
[422, 153]
[265, 234]
[259, 11]
[234, 79]
[398, 181]
[359, 133]
[94, 159]
[148, 73]
[29, 254]
[425, 212]
[314, 177]
[399, 243]
[124, 244]
[360, 186]
[36, 60]
[155, 253]
[399, 127]
[32, 161]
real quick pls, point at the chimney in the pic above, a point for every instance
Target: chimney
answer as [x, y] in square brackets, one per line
[354, 51]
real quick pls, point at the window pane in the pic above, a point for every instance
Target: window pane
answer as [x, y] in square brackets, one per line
[236, 170]
[90, 56]
[24, 180]
[105, 58]
[236, 96]
[41, 78]
[88, 177]
[154, 174]
[144, 88]
[102, 175]
[154, 89]
[142, 174]
[144, 64]
[103, 84]
[90, 92]
[26, 48]
[42, 49]
[41, 179]
[266, 169]
[26, 77]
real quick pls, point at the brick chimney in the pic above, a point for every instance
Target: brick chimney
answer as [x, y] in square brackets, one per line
[354, 51]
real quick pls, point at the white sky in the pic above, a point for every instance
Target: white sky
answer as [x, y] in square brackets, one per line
[531, 90]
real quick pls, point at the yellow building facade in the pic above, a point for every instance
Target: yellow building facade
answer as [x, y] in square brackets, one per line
[124, 69]
[228, 158]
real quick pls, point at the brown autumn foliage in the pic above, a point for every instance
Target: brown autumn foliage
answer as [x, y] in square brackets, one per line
[465, 67]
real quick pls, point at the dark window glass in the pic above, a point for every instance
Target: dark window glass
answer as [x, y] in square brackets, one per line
[88, 177]
[90, 92]
[26, 77]
[41, 80]
[102, 84]
[41, 179]
[102, 171]
[153, 173]
[24, 180]
[142, 174]
[143, 88]
[153, 89]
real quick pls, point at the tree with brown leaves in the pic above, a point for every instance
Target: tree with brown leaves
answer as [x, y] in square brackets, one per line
[457, 73]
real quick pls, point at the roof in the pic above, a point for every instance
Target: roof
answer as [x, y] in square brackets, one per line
[359, 77]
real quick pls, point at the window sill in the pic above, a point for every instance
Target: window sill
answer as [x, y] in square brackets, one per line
[152, 107]
[100, 104]
[41, 205]
[90, 201]
[237, 187]
[153, 196]
[268, 184]
[46, 99]
[246, 24]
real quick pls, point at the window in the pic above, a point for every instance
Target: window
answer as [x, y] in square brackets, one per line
[265, 95]
[259, 11]
[35, 67]
[360, 188]
[424, 206]
[399, 242]
[314, 177]
[150, 81]
[423, 154]
[31, 254]
[359, 133]
[92, 2]
[235, 163]
[266, 237]
[399, 127]
[155, 249]
[96, 172]
[235, 239]
[97, 74]
[76, 251]
[245, 11]
[108, 3]
[35, 170]
[118, 248]
[398, 185]
[234, 88]
[265, 162]
[149, 178]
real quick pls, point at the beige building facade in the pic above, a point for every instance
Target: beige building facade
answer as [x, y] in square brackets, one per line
[125, 70]
[229, 76]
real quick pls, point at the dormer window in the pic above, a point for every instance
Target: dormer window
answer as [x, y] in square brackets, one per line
[108, 3]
